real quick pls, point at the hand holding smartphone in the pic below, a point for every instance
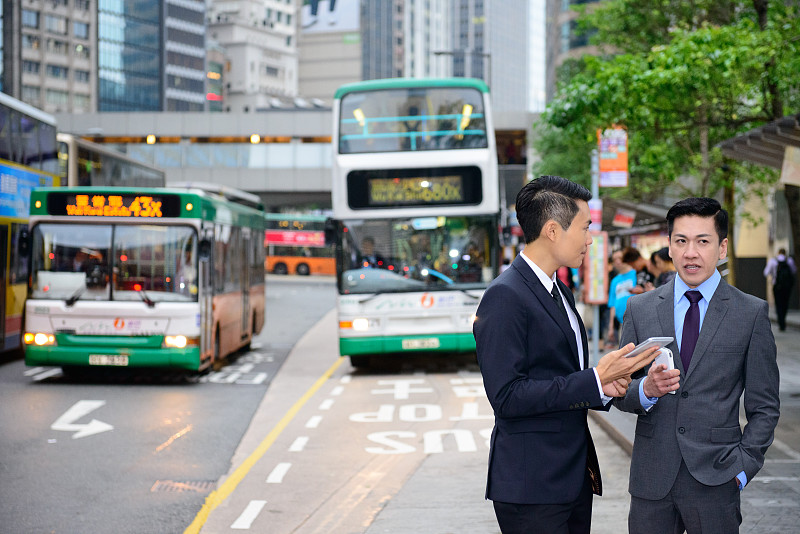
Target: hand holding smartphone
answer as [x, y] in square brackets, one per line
[649, 343]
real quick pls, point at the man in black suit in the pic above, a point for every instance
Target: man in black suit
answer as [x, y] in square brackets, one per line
[534, 358]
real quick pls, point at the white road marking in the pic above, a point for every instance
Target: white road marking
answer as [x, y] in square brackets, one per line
[346, 379]
[314, 421]
[276, 477]
[337, 391]
[299, 444]
[67, 423]
[47, 374]
[326, 404]
[244, 521]
[33, 371]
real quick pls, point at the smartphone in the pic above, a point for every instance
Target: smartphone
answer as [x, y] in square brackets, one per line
[648, 344]
[665, 357]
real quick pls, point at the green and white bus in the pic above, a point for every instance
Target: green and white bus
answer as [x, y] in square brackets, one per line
[415, 213]
[170, 278]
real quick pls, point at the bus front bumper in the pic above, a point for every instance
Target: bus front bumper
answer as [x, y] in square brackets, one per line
[106, 351]
[352, 346]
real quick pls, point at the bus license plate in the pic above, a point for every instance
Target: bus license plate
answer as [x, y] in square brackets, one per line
[424, 343]
[119, 360]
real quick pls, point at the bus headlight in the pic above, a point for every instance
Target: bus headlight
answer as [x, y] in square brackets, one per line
[39, 339]
[361, 324]
[180, 342]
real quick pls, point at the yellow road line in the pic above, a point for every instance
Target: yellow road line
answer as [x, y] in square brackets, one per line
[216, 497]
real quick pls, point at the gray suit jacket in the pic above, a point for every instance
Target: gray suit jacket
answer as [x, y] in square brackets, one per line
[700, 423]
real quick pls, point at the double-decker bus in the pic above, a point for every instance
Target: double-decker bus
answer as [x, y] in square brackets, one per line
[295, 244]
[84, 163]
[28, 159]
[169, 277]
[415, 213]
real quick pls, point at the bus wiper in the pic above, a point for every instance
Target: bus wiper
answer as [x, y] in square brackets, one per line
[470, 295]
[372, 296]
[147, 300]
[74, 297]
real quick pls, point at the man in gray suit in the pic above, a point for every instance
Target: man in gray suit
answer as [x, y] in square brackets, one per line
[690, 456]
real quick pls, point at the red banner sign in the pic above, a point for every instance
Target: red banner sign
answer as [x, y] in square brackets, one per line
[295, 238]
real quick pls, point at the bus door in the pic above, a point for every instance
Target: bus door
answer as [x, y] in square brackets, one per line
[206, 283]
[4, 276]
[248, 259]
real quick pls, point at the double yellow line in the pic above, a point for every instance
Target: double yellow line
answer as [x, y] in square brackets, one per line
[216, 497]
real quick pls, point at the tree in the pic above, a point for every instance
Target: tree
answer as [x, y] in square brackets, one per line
[682, 77]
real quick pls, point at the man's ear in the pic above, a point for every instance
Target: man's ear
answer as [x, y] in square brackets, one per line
[550, 229]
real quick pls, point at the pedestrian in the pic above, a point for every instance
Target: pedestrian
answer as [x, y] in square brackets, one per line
[663, 263]
[533, 354]
[690, 456]
[781, 269]
[621, 288]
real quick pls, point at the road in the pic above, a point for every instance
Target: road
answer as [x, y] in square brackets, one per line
[137, 452]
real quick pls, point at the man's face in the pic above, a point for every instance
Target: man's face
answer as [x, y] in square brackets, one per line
[575, 241]
[695, 248]
[616, 260]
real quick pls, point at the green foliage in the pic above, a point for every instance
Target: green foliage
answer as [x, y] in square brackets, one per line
[686, 77]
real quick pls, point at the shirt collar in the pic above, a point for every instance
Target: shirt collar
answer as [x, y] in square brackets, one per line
[547, 282]
[707, 288]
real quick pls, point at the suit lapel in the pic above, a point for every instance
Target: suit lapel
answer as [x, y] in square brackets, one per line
[584, 340]
[715, 313]
[546, 301]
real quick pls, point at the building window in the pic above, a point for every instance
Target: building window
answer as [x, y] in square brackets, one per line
[30, 19]
[57, 47]
[80, 102]
[31, 95]
[58, 72]
[31, 67]
[289, 41]
[272, 71]
[57, 98]
[82, 5]
[80, 30]
[81, 51]
[55, 24]
[31, 41]
[81, 76]
[288, 20]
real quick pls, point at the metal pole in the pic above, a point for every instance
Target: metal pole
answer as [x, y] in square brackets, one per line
[595, 308]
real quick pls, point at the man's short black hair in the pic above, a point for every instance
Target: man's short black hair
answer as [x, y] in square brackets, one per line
[702, 207]
[545, 198]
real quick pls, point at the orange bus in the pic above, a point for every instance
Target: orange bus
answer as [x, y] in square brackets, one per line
[296, 245]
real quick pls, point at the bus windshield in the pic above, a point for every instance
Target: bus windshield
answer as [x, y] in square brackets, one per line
[114, 262]
[409, 119]
[417, 254]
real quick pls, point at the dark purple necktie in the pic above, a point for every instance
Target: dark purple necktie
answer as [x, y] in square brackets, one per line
[691, 328]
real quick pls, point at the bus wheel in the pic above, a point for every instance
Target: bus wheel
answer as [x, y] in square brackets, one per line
[280, 268]
[303, 269]
[359, 361]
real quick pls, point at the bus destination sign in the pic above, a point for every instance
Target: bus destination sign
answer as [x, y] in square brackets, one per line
[403, 188]
[416, 191]
[111, 205]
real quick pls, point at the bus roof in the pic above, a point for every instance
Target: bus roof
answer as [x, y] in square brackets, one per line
[401, 83]
[22, 107]
[295, 217]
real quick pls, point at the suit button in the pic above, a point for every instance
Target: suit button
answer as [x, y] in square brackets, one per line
[684, 394]
[681, 430]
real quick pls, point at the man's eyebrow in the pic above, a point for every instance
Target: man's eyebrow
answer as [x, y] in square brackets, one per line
[686, 236]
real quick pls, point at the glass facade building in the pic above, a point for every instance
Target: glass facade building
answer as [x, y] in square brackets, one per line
[129, 55]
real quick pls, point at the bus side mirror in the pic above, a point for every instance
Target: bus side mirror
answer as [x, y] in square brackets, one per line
[204, 250]
[23, 242]
[330, 231]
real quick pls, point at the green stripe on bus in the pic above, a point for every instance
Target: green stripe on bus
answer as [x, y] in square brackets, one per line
[353, 346]
[187, 358]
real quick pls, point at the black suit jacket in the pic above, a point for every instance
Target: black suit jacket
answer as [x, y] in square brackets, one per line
[540, 446]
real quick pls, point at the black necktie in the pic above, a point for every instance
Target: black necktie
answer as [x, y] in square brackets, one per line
[691, 328]
[557, 297]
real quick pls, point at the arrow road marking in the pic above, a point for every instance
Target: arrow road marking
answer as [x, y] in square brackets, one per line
[67, 423]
